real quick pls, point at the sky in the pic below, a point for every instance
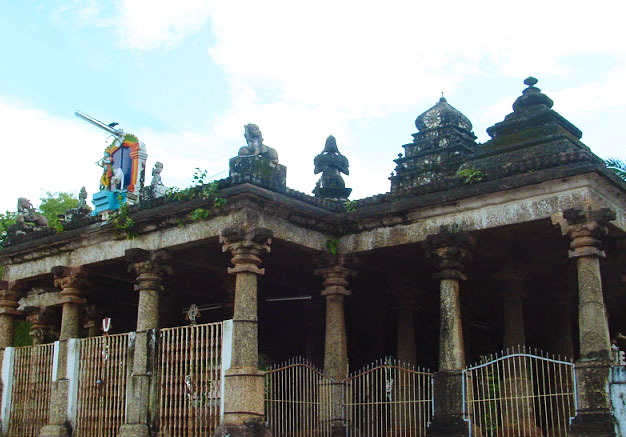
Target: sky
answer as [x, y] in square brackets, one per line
[185, 76]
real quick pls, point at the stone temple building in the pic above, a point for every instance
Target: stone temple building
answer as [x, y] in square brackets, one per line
[482, 295]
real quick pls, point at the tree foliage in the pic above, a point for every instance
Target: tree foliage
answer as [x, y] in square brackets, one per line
[617, 165]
[54, 204]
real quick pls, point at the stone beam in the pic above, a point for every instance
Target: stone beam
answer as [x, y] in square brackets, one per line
[100, 247]
[521, 205]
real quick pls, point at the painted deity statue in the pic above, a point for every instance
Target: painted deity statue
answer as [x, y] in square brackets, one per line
[255, 146]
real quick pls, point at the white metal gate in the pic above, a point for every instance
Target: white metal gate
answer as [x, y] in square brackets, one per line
[520, 392]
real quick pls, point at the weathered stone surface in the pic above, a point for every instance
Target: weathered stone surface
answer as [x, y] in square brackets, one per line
[244, 385]
[251, 428]
[448, 395]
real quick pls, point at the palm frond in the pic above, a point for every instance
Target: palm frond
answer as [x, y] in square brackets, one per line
[617, 166]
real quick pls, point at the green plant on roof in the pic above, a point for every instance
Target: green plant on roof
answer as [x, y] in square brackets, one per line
[470, 175]
[122, 223]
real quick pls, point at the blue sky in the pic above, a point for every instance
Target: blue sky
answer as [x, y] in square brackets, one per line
[186, 76]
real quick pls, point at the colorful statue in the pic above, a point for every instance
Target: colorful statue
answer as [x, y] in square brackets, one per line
[123, 167]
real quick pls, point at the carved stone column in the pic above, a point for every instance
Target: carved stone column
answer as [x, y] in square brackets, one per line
[93, 319]
[150, 268]
[10, 294]
[40, 324]
[244, 384]
[72, 283]
[335, 281]
[404, 306]
[585, 228]
[561, 315]
[449, 251]
[517, 385]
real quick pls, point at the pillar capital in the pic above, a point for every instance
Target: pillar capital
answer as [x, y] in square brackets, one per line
[449, 251]
[10, 294]
[72, 281]
[335, 280]
[150, 267]
[585, 229]
[246, 247]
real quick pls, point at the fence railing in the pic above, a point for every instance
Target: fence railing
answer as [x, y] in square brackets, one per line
[298, 400]
[520, 392]
[102, 385]
[389, 398]
[189, 368]
[30, 396]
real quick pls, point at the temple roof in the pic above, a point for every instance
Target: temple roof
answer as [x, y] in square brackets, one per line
[440, 115]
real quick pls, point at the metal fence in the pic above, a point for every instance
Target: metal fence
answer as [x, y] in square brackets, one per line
[298, 400]
[101, 385]
[520, 392]
[30, 397]
[189, 369]
[389, 398]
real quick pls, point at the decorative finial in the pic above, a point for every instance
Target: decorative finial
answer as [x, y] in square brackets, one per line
[530, 81]
[531, 97]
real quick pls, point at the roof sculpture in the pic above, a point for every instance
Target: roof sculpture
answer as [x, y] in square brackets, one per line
[443, 162]
[331, 164]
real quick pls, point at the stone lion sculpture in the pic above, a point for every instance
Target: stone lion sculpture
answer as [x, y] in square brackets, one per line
[255, 146]
[27, 216]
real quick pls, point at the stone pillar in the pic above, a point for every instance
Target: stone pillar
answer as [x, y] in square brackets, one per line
[335, 281]
[449, 251]
[9, 297]
[72, 283]
[93, 321]
[405, 309]
[585, 228]
[244, 388]
[314, 330]
[150, 267]
[39, 319]
[561, 315]
[517, 384]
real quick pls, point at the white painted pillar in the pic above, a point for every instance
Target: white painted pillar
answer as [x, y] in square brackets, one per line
[227, 349]
[7, 388]
[73, 355]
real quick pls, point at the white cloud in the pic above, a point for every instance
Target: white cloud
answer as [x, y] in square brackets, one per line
[46, 154]
[152, 24]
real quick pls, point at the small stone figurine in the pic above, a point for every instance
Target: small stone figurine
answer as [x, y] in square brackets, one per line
[331, 164]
